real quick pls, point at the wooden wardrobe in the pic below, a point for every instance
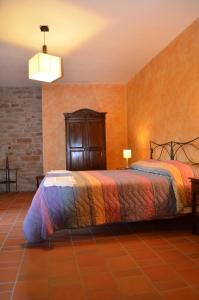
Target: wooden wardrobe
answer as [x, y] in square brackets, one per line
[85, 140]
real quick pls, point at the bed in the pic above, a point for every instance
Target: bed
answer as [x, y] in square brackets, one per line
[151, 189]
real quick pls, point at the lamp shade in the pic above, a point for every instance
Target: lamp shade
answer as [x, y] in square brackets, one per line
[44, 67]
[127, 153]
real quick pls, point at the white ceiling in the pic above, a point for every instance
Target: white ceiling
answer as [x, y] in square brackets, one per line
[105, 41]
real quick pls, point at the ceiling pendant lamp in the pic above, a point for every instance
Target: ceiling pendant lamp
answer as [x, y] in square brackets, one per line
[44, 67]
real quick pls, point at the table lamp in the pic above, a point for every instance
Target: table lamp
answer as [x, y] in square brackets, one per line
[127, 154]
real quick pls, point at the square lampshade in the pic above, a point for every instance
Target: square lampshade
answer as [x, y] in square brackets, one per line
[44, 67]
[127, 153]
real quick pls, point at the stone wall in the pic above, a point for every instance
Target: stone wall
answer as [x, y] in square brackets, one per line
[21, 134]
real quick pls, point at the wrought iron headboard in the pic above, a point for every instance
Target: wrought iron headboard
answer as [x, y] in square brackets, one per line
[182, 147]
[172, 148]
[166, 147]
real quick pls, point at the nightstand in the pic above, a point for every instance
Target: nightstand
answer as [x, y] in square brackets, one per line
[195, 198]
[39, 178]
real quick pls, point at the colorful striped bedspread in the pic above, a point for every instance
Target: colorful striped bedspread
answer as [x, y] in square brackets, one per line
[148, 190]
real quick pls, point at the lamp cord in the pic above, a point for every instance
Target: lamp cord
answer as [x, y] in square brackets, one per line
[44, 29]
[44, 48]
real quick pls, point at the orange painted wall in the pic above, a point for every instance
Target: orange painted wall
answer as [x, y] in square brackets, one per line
[60, 98]
[163, 98]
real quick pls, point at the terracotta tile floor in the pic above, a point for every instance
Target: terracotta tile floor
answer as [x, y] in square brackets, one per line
[139, 261]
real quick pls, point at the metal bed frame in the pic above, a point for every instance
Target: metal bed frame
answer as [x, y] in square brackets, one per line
[172, 148]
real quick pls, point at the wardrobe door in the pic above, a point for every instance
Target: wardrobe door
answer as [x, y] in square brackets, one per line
[95, 144]
[85, 140]
[76, 147]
